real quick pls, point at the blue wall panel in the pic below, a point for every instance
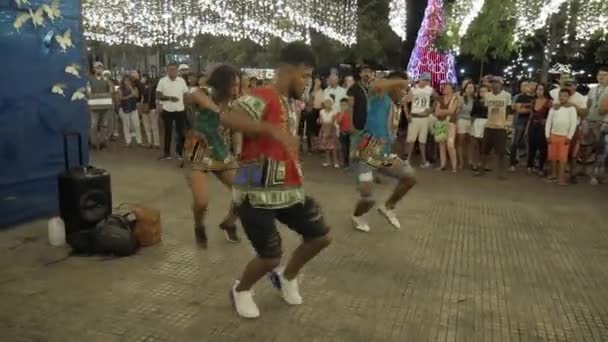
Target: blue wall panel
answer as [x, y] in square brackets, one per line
[32, 118]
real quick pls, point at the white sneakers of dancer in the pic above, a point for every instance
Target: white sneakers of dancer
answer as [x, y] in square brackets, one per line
[360, 222]
[390, 216]
[245, 305]
[290, 290]
[243, 302]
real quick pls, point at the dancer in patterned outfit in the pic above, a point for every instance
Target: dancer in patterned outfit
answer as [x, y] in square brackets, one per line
[210, 145]
[268, 184]
[374, 149]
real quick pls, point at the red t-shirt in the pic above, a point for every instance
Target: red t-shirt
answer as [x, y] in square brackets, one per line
[344, 122]
[266, 104]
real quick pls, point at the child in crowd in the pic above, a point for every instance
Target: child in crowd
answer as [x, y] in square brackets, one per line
[559, 130]
[328, 135]
[345, 125]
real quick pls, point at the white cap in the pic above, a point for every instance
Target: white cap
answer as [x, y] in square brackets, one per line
[183, 67]
[97, 64]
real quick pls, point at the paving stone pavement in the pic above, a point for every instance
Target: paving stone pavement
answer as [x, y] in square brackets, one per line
[476, 260]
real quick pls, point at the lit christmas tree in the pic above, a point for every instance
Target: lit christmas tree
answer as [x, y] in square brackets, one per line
[425, 58]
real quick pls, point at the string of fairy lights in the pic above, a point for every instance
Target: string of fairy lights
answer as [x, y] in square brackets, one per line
[179, 22]
[397, 17]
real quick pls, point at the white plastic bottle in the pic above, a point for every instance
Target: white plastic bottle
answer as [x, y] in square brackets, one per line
[56, 232]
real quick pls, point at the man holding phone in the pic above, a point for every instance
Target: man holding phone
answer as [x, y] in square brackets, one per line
[170, 92]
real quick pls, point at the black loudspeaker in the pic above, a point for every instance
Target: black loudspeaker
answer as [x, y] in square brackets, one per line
[85, 195]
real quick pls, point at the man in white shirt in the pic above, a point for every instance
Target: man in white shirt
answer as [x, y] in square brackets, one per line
[594, 136]
[170, 93]
[334, 91]
[421, 97]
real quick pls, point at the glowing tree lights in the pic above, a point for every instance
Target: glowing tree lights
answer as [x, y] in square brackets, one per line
[161, 22]
[592, 17]
[397, 17]
[425, 57]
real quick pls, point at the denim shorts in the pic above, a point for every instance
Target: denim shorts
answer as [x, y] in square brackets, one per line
[397, 169]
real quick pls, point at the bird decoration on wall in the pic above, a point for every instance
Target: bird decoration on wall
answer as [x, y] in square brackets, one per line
[22, 3]
[64, 40]
[58, 89]
[79, 94]
[52, 11]
[21, 20]
[73, 69]
[37, 17]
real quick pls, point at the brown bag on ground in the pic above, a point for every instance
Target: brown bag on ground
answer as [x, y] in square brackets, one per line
[147, 227]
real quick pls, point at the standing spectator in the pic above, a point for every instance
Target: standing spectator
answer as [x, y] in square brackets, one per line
[465, 124]
[170, 92]
[335, 92]
[349, 81]
[100, 88]
[559, 130]
[345, 124]
[536, 129]
[421, 96]
[328, 136]
[580, 104]
[593, 135]
[245, 85]
[149, 113]
[183, 70]
[495, 135]
[312, 125]
[357, 97]
[445, 126]
[128, 111]
[522, 108]
[480, 117]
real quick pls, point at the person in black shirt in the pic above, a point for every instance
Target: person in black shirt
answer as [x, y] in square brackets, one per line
[523, 108]
[149, 114]
[128, 111]
[357, 96]
[479, 116]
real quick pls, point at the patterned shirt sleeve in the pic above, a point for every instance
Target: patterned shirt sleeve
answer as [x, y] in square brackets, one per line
[252, 105]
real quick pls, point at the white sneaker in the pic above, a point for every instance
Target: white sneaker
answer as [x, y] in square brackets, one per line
[390, 216]
[243, 302]
[594, 181]
[360, 223]
[425, 165]
[290, 291]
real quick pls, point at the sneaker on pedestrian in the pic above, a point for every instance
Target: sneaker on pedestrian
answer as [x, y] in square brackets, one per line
[390, 216]
[594, 181]
[166, 157]
[325, 164]
[290, 290]
[243, 302]
[230, 232]
[512, 168]
[425, 165]
[360, 223]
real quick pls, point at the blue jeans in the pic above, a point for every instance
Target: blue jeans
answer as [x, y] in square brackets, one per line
[518, 138]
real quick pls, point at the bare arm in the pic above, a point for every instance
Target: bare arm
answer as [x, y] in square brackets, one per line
[251, 124]
[604, 106]
[380, 86]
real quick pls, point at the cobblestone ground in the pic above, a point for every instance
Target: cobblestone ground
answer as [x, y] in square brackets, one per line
[476, 260]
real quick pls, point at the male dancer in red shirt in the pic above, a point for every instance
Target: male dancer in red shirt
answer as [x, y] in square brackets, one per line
[268, 183]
